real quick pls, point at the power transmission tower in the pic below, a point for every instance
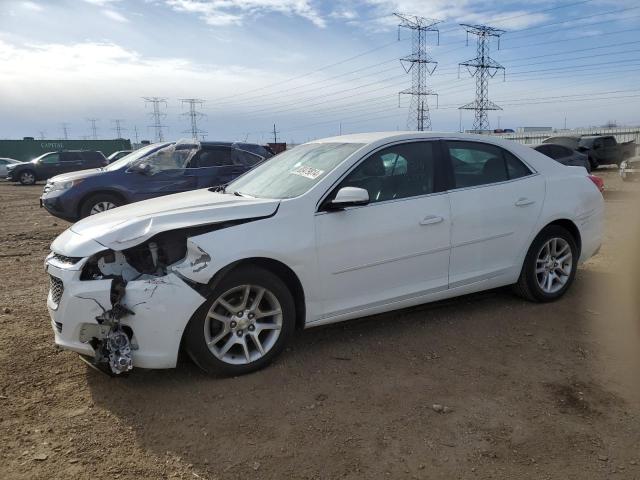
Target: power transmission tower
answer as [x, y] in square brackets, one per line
[194, 115]
[157, 115]
[135, 132]
[42, 134]
[275, 134]
[94, 128]
[482, 67]
[420, 64]
[118, 127]
[65, 130]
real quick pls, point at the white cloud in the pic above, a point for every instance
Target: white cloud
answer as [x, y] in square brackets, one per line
[101, 3]
[33, 6]
[116, 16]
[226, 12]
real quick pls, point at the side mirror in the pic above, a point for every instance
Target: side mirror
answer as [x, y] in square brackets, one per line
[142, 168]
[349, 197]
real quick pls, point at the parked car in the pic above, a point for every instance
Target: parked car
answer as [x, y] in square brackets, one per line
[118, 155]
[328, 231]
[564, 155]
[630, 169]
[601, 149]
[159, 169]
[4, 162]
[54, 163]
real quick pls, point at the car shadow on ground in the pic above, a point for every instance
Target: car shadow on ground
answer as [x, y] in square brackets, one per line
[359, 394]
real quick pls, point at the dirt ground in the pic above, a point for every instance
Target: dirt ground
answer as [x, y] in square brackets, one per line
[533, 391]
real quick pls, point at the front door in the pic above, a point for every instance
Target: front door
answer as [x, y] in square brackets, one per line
[495, 203]
[396, 247]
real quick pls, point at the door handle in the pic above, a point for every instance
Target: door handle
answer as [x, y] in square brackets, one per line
[431, 220]
[523, 202]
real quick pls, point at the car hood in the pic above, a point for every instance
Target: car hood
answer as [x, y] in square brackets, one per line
[132, 224]
[67, 177]
[16, 165]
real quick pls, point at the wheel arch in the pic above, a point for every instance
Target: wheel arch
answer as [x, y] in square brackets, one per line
[102, 191]
[286, 274]
[568, 225]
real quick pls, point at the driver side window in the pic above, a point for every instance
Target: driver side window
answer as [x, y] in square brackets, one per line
[400, 171]
[51, 159]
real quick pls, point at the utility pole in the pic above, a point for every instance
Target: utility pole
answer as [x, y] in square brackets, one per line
[420, 64]
[275, 134]
[118, 127]
[482, 67]
[65, 130]
[194, 115]
[94, 128]
[157, 115]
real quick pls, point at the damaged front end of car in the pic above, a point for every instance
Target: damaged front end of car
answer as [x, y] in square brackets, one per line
[136, 299]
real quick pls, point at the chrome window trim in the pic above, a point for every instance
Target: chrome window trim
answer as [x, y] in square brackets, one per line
[493, 184]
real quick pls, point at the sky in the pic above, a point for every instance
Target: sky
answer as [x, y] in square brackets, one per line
[313, 68]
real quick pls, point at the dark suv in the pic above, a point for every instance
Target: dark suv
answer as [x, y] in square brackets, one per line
[54, 163]
[152, 171]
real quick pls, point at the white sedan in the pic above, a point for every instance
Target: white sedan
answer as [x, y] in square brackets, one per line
[329, 231]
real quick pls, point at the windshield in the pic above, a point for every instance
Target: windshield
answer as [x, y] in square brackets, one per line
[294, 171]
[133, 156]
[171, 157]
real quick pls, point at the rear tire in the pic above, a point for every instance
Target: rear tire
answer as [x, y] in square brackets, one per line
[230, 334]
[99, 203]
[549, 267]
[27, 177]
[594, 163]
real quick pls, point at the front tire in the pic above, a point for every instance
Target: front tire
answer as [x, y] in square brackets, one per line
[246, 322]
[549, 267]
[27, 177]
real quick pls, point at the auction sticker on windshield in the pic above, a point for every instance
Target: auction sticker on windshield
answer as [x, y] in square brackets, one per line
[307, 172]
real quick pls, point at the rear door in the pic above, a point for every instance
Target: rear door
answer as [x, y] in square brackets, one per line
[70, 162]
[495, 202]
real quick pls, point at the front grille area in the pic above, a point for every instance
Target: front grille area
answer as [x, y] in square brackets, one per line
[57, 289]
[58, 326]
[66, 260]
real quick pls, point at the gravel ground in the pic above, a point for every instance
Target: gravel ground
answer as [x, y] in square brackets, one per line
[483, 386]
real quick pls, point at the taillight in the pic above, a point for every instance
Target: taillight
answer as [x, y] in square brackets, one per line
[598, 181]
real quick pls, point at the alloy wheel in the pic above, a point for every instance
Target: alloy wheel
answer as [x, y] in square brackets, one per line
[101, 207]
[27, 178]
[243, 324]
[554, 264]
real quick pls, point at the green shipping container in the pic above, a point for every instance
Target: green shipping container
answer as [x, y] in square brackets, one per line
[29, 149]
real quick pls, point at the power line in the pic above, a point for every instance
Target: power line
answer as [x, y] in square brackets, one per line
[484, 67]
[420, 64]
[157, 115]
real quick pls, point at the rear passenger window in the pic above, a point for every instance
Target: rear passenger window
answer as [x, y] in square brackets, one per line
[213, 157]
[515, 168]
[474, 164]
[401, 171]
